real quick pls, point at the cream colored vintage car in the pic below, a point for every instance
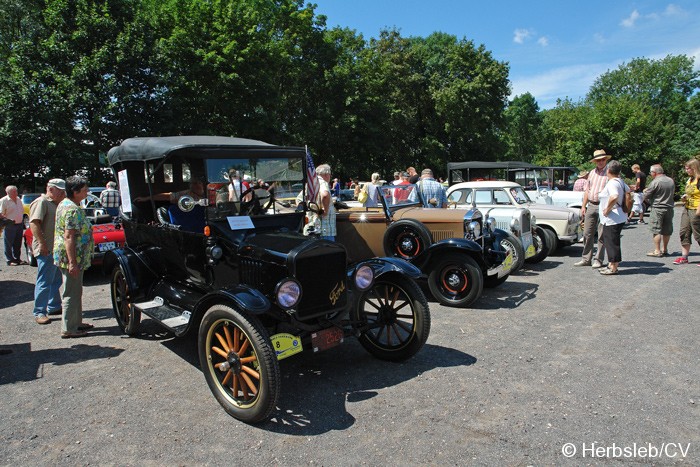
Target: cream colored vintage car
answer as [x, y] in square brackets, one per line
[561, 225]
[458, 250]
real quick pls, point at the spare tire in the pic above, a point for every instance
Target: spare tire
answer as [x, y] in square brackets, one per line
[407, 239]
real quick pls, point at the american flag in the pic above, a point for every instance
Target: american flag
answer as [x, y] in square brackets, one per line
[312, 186]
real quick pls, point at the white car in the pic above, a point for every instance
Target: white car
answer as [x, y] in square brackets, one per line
[561, 225]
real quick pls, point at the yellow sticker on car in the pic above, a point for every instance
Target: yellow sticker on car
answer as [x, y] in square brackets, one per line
[530, 251]
[286, 345]
[508, 262]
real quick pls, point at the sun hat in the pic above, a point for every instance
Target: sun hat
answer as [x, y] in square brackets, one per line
[58, 183]
[600, 154]
[583, 174]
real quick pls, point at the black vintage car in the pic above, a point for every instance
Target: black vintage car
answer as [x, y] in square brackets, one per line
[233, 267]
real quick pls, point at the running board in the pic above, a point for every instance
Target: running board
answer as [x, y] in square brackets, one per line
[172, 319]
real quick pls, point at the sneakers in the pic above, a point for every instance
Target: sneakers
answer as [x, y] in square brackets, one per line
[583, 262]
[42, 319]
[596, 264]
[680, 260]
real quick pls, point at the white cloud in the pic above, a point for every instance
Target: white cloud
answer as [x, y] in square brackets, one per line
[673, 10]
[543, 41]
[559, 83]
[520, 35]
[629, 21]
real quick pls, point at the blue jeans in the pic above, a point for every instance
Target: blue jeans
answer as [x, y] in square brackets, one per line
[48, 281]
[330, 238]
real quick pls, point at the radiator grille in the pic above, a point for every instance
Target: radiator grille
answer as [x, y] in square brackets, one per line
[322, 277]
[444, 234]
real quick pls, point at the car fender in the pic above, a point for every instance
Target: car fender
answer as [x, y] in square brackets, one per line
[243, 296]
[138, 276]
[386, 265]
[455, 245]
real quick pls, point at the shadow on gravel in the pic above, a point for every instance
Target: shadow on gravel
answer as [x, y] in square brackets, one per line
[24, 365]
[647, 268]
[511, 294]
[318, 390]
[15, 292]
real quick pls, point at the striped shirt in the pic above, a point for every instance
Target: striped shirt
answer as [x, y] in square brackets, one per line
[432, 191]
[596, 182]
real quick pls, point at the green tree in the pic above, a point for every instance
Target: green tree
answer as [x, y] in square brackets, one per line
[523, 128]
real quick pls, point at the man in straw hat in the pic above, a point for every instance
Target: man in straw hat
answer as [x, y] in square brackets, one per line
[597, 178]
[581, 181]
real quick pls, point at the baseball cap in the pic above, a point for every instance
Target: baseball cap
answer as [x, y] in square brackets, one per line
[58, 183]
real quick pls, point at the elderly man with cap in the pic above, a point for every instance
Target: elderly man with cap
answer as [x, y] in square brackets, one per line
[597, 179]
[42, 222]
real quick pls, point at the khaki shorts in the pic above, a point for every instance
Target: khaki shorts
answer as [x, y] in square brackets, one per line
[661, 221]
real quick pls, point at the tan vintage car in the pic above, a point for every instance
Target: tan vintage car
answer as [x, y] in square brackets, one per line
[458, 250]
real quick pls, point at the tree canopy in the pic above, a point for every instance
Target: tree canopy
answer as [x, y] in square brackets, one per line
[78, 76]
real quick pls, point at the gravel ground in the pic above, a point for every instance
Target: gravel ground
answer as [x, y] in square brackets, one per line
[556, 355]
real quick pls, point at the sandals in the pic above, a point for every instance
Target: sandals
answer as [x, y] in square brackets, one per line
[70, 335]
[655, 254]
[607, 272]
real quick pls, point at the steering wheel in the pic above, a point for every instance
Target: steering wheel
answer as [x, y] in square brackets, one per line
[251, 207]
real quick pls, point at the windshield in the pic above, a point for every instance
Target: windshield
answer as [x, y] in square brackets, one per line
[519, 195]
[399, 195]
[281, 171]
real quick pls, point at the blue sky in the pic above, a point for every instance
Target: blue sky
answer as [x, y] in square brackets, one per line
[555, 49]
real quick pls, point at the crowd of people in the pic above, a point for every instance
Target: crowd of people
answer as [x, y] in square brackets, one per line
[62, 244]
[604, 217]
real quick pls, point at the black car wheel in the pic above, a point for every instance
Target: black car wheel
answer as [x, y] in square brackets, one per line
[239, 363]
[394, 318]
[539, 240]
[512, 244]
[456, 280]
[406, 239]
[551, 240]
[128, 316]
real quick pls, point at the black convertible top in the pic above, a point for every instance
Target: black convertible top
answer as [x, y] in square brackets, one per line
[150, 148]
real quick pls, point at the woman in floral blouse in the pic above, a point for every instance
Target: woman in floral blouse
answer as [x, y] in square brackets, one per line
[73, 249]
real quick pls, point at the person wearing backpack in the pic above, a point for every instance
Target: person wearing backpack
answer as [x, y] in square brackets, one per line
[659, 195]
[613, 216]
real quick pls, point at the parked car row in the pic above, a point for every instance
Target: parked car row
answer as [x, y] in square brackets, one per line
[238, 272]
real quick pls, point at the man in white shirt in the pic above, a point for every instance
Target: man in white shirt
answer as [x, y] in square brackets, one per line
[12, 208]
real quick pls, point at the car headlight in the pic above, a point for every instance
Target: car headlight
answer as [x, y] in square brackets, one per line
[364, 276]
[288, 293]
[491, 224]
[475, 229]
[533, 219]
[515, 225]
[215, 252]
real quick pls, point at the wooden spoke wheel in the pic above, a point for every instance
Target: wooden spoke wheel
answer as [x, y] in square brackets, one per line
[394, 318]
[128, 317]
[456, 280]
[239, 363]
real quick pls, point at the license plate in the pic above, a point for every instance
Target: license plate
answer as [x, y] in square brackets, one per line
[528, 246]
[327, 338]
[107, 246]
